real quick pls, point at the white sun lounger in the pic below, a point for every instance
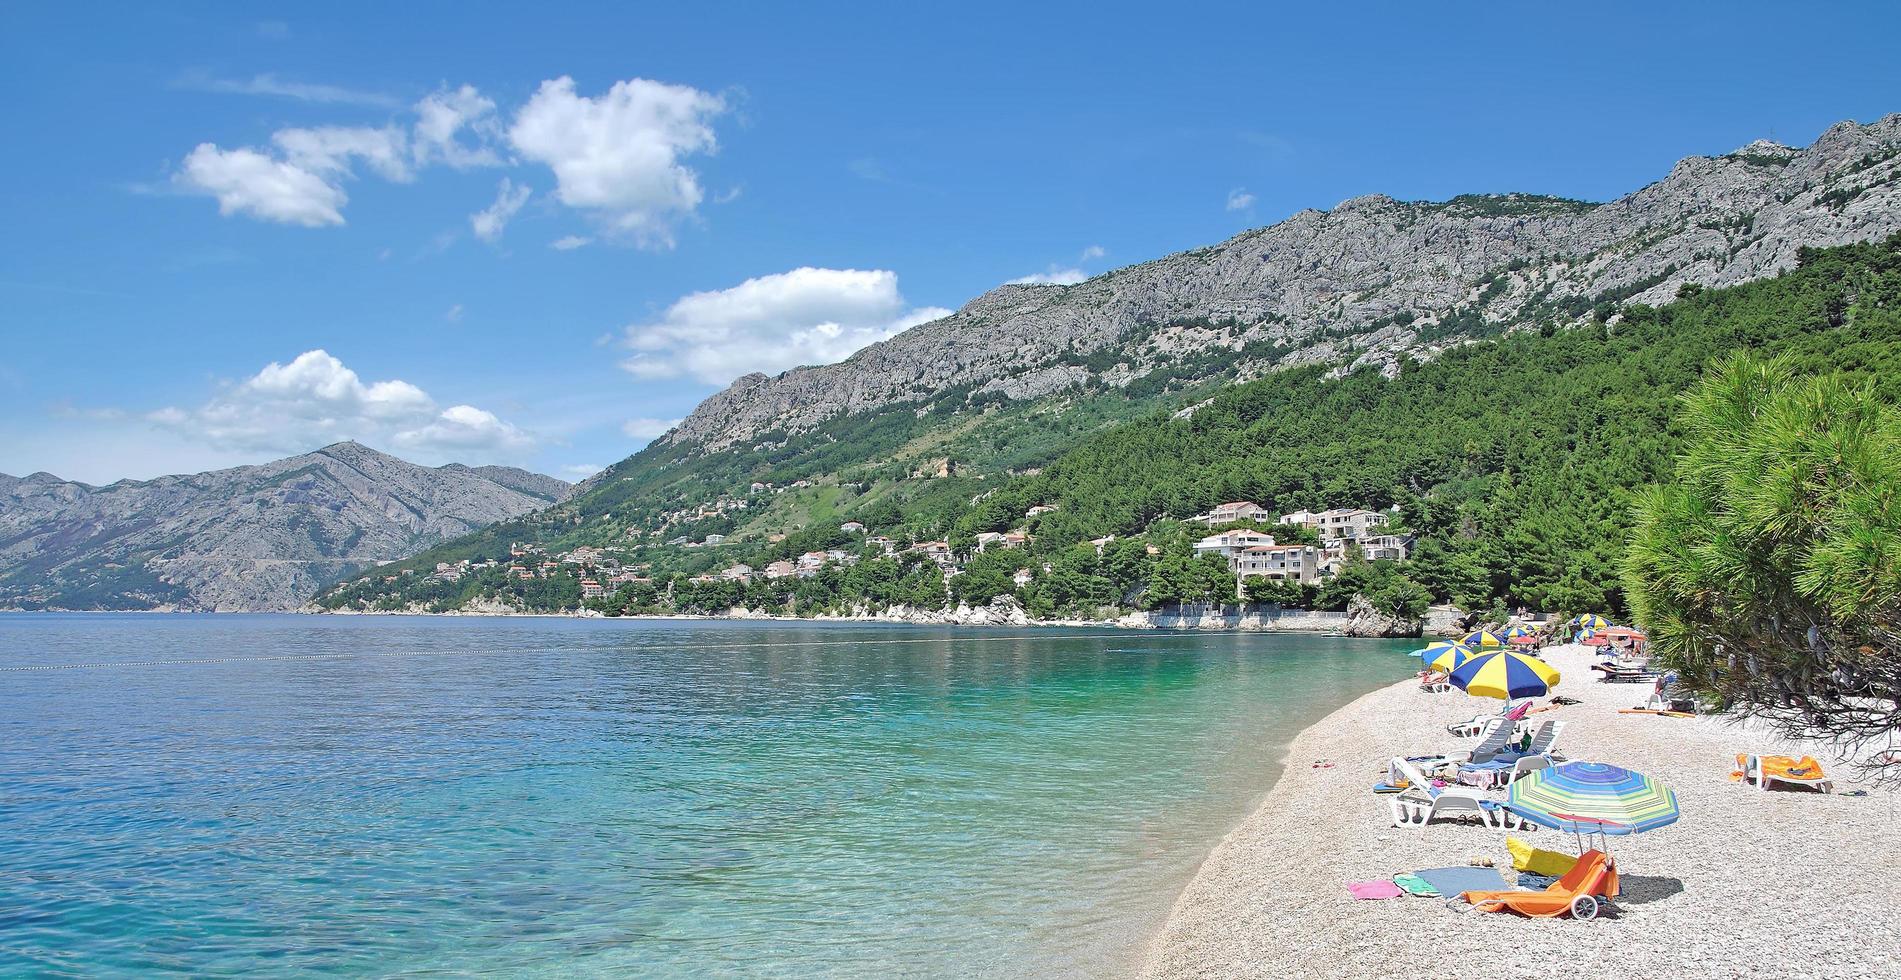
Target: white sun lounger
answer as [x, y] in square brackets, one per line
[1420, 803]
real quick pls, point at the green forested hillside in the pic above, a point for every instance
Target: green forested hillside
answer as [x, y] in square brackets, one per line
[1512, 460]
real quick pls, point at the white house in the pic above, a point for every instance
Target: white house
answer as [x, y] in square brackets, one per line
[780, 569]
[852, 527]
[1350, 523]
[1238, 510]
[1289, 562]
[1230, 543]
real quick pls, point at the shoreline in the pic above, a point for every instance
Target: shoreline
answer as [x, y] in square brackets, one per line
[1739, 876]
[961, 616]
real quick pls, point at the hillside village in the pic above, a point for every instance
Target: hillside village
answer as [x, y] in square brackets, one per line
[1236, 552]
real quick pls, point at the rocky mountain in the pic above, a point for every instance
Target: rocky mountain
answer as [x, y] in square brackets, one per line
[248, 538]
[1371, 281]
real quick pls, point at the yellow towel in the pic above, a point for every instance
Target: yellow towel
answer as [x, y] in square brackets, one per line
[1537, 860]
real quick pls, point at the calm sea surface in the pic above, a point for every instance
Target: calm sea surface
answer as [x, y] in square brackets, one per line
[281, 794]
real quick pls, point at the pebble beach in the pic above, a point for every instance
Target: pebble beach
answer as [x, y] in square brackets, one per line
[1784, 883]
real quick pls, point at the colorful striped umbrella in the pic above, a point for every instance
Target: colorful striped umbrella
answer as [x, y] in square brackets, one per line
[1483, 638]
[1514, 632]
[1593, 798]
[1505, 674]
[1589, 621]
[1452, 657]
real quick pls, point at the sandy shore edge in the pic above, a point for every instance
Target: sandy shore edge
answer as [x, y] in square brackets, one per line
[1743, 872]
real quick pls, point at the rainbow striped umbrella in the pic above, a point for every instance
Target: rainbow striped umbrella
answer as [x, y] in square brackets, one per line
[1483, 638]
[1593, 798]
[1452, 657]
[1504, 674]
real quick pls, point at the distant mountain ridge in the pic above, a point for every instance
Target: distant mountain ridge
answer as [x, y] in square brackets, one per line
[261, 537]
[1371, 281]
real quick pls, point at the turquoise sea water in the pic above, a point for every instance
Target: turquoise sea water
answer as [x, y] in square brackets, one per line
[282, 794]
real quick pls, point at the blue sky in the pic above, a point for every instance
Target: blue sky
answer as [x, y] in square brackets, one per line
[200, 198]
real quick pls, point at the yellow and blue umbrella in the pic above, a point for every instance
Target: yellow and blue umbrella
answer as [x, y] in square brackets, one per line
[1431, 651]
[1483, 638]
[1515, 632]
[1451, 657]
[1505, 675]
[1589, 621]
[1593, 798]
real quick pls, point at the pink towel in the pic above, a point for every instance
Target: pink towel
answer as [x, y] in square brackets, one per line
[1368, 890]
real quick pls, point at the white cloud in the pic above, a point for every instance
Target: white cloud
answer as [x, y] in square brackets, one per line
[806, 316]
[454, 315]
[315, 400]
[1239, 199]
[1054, 277]
[273, 30]
[441, 118]
[647, 430]
[581, 471]
[248, 182]
[1062, 275]
[568, 243]
[489, 222]
[329, 150]
[619, 155]
[304, 187]
[464, 431]
[301, 180]
[274, 87]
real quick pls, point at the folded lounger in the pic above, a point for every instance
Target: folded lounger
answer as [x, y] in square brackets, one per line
[1593, 877]
[1516, 711]
[1765, 769]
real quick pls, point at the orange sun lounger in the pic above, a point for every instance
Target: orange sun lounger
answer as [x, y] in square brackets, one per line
[1577, 892]
[1765, 769]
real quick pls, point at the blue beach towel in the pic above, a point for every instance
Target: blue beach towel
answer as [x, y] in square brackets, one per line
[1451, 881]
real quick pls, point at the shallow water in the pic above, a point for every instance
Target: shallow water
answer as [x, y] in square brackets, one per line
[234, 794]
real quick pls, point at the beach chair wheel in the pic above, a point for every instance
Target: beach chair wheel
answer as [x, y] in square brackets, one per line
[1584, 907]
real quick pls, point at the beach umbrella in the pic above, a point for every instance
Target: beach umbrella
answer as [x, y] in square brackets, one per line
[1594, 638]
[1523, 641]
[1590, 621]
[1514, 632]
[1431, 651]
[1505, 675]
[1587, 798]
[1483, 638]
[1452, 657]
[1623, 633]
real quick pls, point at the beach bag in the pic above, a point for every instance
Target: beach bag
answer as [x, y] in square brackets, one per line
[1537, 860]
